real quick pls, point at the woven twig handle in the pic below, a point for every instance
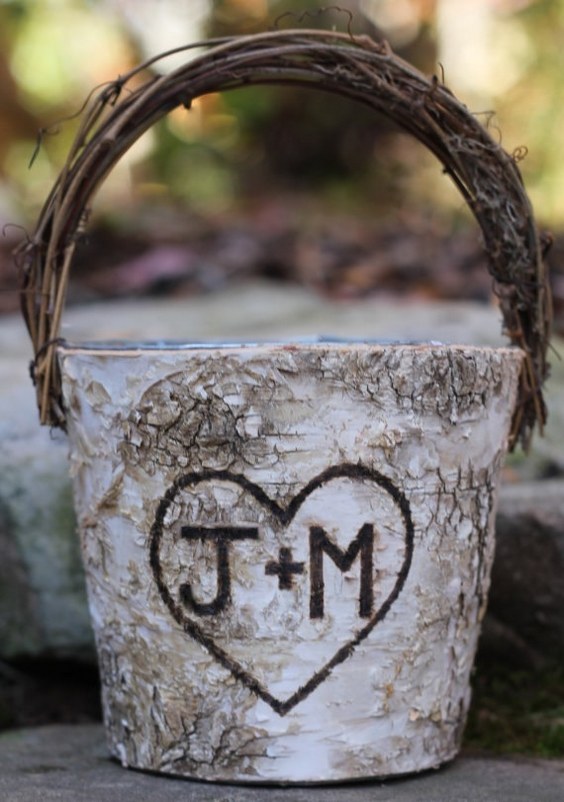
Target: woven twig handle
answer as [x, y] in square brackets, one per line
[356, 67]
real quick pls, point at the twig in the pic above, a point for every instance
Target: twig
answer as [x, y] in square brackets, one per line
[487, 177]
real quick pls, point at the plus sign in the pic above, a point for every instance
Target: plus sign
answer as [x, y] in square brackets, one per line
[284, 569]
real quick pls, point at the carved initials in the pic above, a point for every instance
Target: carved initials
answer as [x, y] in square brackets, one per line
[320, 543]
[291, 575]
[221, 536]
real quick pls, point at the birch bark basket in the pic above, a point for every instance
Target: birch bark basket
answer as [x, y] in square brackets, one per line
[288, 550]
[288, 547]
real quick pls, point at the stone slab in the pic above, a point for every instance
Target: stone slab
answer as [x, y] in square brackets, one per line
[527, 589]
[69, 764]
[42, 599]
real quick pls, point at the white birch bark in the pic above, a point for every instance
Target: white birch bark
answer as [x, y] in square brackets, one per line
[287, 550]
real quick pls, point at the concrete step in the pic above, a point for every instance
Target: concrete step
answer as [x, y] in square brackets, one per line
[70, 764]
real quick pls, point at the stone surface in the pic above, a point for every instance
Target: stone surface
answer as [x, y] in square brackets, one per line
[42, 599]
[71, 764]
[527, 593]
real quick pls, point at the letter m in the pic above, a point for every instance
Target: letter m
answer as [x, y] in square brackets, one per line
[319, 543]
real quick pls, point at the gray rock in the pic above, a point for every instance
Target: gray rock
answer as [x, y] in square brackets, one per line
[526, 603]
[17, 613]
[70, 763]
[42, 600]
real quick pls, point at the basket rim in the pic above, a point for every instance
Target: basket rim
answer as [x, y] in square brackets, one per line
[357, 67]
[134, 347]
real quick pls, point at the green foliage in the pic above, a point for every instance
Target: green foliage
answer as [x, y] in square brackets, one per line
[192, 169]
[533, 110]
[518, 712]
[55, 51]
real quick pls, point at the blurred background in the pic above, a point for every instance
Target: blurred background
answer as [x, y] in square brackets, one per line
[278, 182]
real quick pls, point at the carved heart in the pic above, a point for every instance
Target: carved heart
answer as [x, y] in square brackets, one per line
[283, 518]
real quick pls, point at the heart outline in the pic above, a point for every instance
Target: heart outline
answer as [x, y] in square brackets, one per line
[284, 515]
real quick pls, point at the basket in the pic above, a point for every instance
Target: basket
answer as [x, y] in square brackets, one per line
[288, 546]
